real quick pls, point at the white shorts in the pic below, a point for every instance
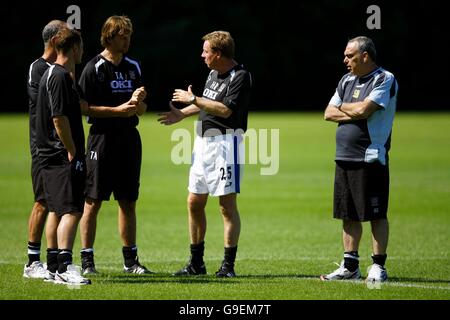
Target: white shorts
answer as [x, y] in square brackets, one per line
[216, 167]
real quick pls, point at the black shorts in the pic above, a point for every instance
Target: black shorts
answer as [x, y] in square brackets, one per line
[64, 184]
[361, 191]
[113, 162]
[37, 179]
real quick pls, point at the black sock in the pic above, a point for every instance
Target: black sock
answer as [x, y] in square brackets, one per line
[34, 252]
[87, 257]
[129, 255]
[230, 255]
[197, 251]
[351, 260]
[64, 259]
[379, 259]
[52, 259]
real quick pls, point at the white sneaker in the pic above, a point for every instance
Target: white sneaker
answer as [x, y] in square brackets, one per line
[342, 273]
[71, 277]
[36, 270]
[376, 273]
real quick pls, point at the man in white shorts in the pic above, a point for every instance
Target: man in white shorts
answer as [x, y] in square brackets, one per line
[216, 168]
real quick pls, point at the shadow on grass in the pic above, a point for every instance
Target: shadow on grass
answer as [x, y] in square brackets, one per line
[168, 278]
[148, 280]
[158, 278]
[269, 276]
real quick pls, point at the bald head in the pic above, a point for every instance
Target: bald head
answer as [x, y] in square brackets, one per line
[51, 29]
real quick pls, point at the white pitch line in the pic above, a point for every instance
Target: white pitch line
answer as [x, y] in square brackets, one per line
[388, 283]
[412, 285]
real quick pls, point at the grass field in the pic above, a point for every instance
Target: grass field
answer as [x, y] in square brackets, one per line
[288, 235]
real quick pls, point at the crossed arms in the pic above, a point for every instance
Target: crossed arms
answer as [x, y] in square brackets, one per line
[350, 111]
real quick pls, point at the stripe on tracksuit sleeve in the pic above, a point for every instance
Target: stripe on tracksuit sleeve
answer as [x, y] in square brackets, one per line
[237, 172]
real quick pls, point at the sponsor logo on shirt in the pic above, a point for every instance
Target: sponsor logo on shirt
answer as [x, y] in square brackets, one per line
[210, 94]
[121, 84]
[214, 89]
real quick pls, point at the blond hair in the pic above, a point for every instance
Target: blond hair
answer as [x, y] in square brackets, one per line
[221, 41]
[115, 25]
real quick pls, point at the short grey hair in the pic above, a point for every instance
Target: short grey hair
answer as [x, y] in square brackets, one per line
[366, 44]
[51, 29]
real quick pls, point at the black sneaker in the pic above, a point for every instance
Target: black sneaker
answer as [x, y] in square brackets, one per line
[88, 267]
[191, 270]
[89, 270]
[226, 271]
[137, 268]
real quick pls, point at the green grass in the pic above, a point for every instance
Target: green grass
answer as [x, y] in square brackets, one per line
[288, 236]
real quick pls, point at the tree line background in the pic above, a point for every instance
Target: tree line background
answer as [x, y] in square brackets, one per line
[294, 49]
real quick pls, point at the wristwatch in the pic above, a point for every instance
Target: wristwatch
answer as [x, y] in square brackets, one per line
[192, 99]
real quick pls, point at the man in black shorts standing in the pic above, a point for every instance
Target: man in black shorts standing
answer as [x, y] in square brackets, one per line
[363, 106]
[216, 168]
[61, 151]
[34, 268]
[112, 86]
